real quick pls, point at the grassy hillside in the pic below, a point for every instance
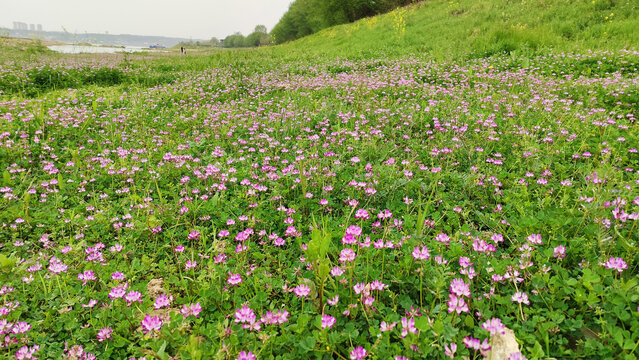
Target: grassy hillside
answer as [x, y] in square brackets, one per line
[441, 30]
[452, 29]
[479, 28]
[11, 48]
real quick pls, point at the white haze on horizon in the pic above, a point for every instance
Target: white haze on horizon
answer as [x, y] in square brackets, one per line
[196, 19]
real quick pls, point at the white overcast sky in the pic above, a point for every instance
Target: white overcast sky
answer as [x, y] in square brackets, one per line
[197, 19]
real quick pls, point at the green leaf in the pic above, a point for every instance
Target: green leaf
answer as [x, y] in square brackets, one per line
[161, 352]
[629, 284]
[6, 178]
[323, 271]
[7, 263]
[536, 351]
[438, 327]
[618, 336]
[628, 344]
[318, 247]
[421, 216]
[325, 245]
[409, 222]
[421, 323]
[307, 344]
[302, 321]
[406, 302]
[469, 321]
[311, 285]
[590, 277]
[313, 247]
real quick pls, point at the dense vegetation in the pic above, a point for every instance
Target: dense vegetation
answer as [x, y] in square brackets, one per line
[16, 48]
[212, 43]
[259, 37]
[305, 17]
[362, 193]
[447, 30]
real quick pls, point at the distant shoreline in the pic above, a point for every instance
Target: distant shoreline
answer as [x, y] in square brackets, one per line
[97, 38]
[21, 42]
[9, 40]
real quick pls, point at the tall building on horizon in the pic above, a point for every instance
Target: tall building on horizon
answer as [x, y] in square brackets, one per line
[18, 25]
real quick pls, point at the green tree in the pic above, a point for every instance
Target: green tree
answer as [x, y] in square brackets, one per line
[235, 40]
[253, 39]
[295, 23]
[305, 17]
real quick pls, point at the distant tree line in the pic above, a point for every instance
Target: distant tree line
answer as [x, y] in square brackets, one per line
[214, 42]
[259, 37]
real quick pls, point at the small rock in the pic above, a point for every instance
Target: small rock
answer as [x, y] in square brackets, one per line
[155, 287]
[503, 345]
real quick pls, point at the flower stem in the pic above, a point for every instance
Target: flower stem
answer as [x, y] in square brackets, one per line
[421, 287]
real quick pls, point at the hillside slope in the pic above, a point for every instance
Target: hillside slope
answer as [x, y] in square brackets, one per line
[450, 29]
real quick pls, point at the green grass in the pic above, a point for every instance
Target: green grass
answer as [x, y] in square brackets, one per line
[436, 29]
[143, 150]
[12, 48]
[448, 30]
[478, 28]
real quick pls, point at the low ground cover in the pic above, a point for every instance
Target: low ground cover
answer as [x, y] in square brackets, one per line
[367, 208]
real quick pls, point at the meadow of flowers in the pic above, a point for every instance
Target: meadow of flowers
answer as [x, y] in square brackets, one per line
[327, 209]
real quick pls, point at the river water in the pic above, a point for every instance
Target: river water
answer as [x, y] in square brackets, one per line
[78, 49]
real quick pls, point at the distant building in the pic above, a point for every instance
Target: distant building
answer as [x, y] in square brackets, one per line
[32, 27]
[39, 27]
[18, 25]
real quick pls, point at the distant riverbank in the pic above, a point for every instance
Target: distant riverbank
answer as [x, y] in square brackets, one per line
[95, 49]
